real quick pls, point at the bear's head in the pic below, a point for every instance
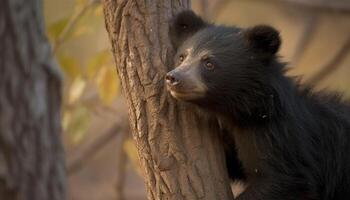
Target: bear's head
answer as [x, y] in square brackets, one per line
[222, 67]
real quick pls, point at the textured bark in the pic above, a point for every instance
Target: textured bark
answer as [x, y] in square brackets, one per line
[31, 155]
[180, 153]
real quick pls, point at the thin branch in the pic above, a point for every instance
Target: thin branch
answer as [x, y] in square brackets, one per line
[71, 24]
[78, 162]
[217, 6]
[306, 38]
[332, 65]
[203, 7]
[339, 6]
[121, 161]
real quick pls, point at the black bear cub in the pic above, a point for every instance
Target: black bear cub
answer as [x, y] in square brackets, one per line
[285, 141]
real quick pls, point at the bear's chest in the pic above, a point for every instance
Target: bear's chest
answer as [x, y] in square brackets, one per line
[248, 152]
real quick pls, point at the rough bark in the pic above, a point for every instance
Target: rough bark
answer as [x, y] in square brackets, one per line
[31, 155]
[180, 153]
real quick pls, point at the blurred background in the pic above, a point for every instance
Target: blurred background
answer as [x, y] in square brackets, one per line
[101, 158]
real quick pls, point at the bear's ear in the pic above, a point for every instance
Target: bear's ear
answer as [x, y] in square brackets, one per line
[184, 25]
[263, 39]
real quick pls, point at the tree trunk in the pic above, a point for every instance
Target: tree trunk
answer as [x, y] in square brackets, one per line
[179, 149]
[31, 154]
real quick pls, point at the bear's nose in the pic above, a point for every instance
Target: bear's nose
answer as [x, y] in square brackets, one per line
[171, 79]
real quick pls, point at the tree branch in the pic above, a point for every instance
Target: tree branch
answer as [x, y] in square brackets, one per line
[82, 157]
[306, 38]
[339, 6]
[121, 160]
[332, 65]
[203, 6]
[217, 6]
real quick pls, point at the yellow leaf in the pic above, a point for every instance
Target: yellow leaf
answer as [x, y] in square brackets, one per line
[66, 117]
[69, 65]
[76, 89]
[96, 62]
[98, 10]
[80, 2]
[107, 84]
[81, 30]
[131, 151]
[79, 123]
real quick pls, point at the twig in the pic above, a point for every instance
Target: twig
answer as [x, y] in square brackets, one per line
[339, 6]
[217, 6]
[332, 65]
[306, 38]
[71, 24]
[79, 160]
[120, 125]
[203, 6]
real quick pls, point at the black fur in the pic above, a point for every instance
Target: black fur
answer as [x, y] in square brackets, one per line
[263, 39]
[183, 26]
[291, 142]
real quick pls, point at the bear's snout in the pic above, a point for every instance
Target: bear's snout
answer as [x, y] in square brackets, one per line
[172, 78]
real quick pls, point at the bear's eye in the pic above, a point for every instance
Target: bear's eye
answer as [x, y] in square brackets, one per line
[183, 26]
[209, 65]
[181, 58]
